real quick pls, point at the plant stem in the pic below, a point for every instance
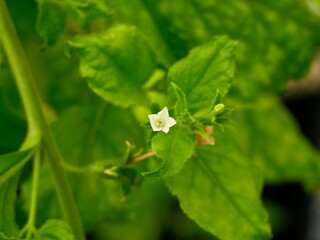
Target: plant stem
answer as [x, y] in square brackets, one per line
[34, 194]
[37, 123]
[141, 157]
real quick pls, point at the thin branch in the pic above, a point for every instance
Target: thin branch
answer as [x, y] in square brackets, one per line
[141, 157]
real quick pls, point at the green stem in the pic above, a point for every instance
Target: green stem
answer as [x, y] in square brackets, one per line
[76, 169]
[37, 123]
[34, 194]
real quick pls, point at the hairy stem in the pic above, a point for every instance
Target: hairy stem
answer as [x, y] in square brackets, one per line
[37, 124]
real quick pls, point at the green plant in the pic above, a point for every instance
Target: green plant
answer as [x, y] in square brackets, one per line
[217, 66]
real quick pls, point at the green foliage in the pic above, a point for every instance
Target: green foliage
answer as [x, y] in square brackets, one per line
[175, 149]
[262, 65]
[195, 82]
[98, 197]
[10, 169]
[12, 162]
[109, 63]
[53, 16]
[179, 100]
[92, 142]
[54, 229]
[50, 14]
[206, 70]
[4, 237]
[201, 59]
[148, 217]
[8, 195]
[217, 188]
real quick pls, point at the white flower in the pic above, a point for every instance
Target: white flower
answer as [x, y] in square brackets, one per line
[161, 121]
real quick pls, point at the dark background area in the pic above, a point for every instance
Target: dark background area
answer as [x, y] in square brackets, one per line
[292, 198]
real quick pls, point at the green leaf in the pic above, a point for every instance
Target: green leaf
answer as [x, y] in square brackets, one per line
[51, 21]
[220, 190]
[8, 195]
[54, 229]
[102, 131]
[179, 100]
[53, 16]
[116, 64]
[146, 221]
[12, 162]
[136, 12]
[174, 148]
[268, 134]
[5, 237]
[206, 70]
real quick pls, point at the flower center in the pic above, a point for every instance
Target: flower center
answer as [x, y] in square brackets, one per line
[160, 123]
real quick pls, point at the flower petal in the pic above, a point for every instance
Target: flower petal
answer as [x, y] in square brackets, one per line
[153, 118]
[165, 129]
[164, 113]
[170, 122]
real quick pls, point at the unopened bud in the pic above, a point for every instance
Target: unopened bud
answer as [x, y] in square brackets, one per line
[219, 108]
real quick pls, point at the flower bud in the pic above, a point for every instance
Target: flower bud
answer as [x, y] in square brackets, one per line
[219, 108]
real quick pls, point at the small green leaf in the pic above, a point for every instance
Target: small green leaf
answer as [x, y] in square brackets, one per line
[54, 229]
[12, 162]
[174, 148]
[206, 70]
[218, 188]
[116, 64]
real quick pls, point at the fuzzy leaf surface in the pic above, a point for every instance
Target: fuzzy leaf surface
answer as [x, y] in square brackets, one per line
[54, 229]
[206, 70]
[116, 64]
[174, 148]
[219, 187]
